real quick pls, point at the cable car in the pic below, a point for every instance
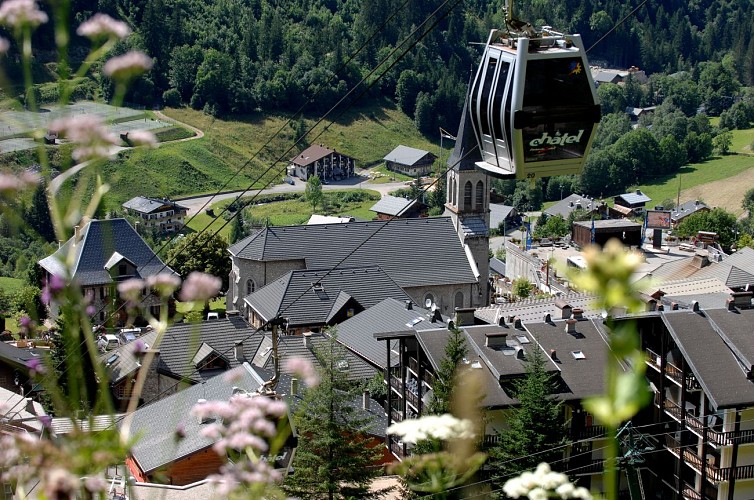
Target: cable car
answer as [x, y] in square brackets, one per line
[533, 104]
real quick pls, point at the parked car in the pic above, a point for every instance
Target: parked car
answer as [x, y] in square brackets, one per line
[289, 180]
[108, 342]
[127, 335]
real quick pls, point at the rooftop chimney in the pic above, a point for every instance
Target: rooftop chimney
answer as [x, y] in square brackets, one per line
[464, 315]
[742, 299]
[203, 419]
[307, 339]
[565, 308]
[570, 325]
[451, 325]
[673, 306]
[294, 386]
[730, 304]
[517, 323]
[365, 400]
[238, 351]
[695, 306]
[553, 354]
[495, 339]
[548, 318]
[30, 406]
[76, 234]
[520, 353]
[409, 305]
[578, 313]
[501, 321]
[638, 191]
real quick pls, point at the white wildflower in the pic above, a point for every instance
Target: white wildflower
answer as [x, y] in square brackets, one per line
[4, 45]
[142, 138]
[538, 494]
[127, 66]
[442, 427]
[103, 26]
[18, 13]
[200, 286]
[89, 134]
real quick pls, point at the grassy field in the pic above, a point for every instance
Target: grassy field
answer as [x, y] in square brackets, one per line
[10, 285]
[235, 152]
[289, 212]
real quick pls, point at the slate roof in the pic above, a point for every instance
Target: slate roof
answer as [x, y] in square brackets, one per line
[390, 315]
[375, 415]
[123, 360]
[182, 341]
[713, 360]
[570, 203]
[16, 356]
[413, 252]
[292, 346]
[100, 239]
[583, 377]
[14, 411]
[498, 213]
[393, 205]
[310, 155]
[497, 266]
[685, 209]
[465, 153]
[294, 297]
[474, 226]
[328, 219]
[405, 155]
[156, 423]
[145, 205]
[634, 198]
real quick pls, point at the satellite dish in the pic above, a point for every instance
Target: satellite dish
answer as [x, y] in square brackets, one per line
[427, 303]
[433, 308]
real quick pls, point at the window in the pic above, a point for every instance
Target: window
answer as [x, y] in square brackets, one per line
[429, 299]
[458, 301]
[250, 287]
[479, 195]
[467, 195]
[122, 269]
[454, 191]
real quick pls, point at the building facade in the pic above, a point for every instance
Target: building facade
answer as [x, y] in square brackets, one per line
[159, 214]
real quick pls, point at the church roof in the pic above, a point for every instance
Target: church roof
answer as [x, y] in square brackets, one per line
[466, 151]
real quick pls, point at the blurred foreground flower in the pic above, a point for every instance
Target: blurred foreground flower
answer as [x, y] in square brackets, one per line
[164, 284]
[444, 427]
[199, 287]
[16, 182]
[142, 138]
[4, 45]
[129, 65]
[101, 26]
[19, 13]
[543, 483]
[304, 369]
[88, 133]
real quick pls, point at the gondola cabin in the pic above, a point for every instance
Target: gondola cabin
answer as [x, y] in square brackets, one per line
[533, 106]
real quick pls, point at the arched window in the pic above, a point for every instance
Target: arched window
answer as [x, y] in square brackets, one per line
[458, 300]
[429, 299]
[454, 191]
[467, 196]
[479, 195]
[250, 287]
[449, 190]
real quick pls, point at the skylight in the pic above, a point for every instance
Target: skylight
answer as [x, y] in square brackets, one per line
[414, 321]
[578, 355]
[523, 339]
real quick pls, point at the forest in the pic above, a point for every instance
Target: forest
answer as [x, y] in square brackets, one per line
[243, 56]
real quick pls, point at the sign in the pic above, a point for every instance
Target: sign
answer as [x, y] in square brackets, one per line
[658, 219]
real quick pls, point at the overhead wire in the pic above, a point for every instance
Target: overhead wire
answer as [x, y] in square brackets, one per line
[319, 121]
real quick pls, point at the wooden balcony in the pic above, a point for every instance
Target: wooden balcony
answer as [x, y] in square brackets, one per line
[696, 425]
[396, 415]
[586, 467]
[714, 473]
[396, 384]
[589, 432]
[673, 372]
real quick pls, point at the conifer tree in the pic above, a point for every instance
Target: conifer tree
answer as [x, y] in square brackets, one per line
[334, 458]
[455, 351]
[535, 427]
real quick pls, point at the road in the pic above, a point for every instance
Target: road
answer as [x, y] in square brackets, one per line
[196, 204]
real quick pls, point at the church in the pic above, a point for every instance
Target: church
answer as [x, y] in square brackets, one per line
[438, 261]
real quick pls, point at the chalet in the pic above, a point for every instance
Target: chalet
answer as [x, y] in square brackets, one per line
[160, 456]
[635, 113]
[497, 354]
[504, 217]
[574, 202]
[635, 201]
[599, 232]
[188, 354]
[326, 163]
[104, 253]
[685, 209]
[699, 366]
[310, 300]
[394, 207]
[159, 214]
[14, 372]
[410, 161]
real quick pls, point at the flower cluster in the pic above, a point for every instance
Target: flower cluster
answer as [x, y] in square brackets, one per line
[200, 286]
[443, 427]
[304, 369]
[247, 424]
[103, 26]
[129, 65]
[13, 182]
[88, 133]
[540, 484]
[19, 13]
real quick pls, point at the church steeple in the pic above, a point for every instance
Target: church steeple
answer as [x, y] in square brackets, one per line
[468, 201]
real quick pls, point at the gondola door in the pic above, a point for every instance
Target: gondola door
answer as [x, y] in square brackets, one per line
[489, 96]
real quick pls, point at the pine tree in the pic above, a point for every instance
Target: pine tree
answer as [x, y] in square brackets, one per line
[535, 427]
[38, 215]
[455, 351]
[237, 229]
[334, 458]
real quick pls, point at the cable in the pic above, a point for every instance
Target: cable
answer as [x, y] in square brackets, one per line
[617, 25]
[385, 59]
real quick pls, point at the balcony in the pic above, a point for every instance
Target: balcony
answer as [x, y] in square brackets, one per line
[396, 447]
[396, 415]
[588, 432]
[696, 425]
[396, 384]
[714, 473]
[672, 371]
[586, 467]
